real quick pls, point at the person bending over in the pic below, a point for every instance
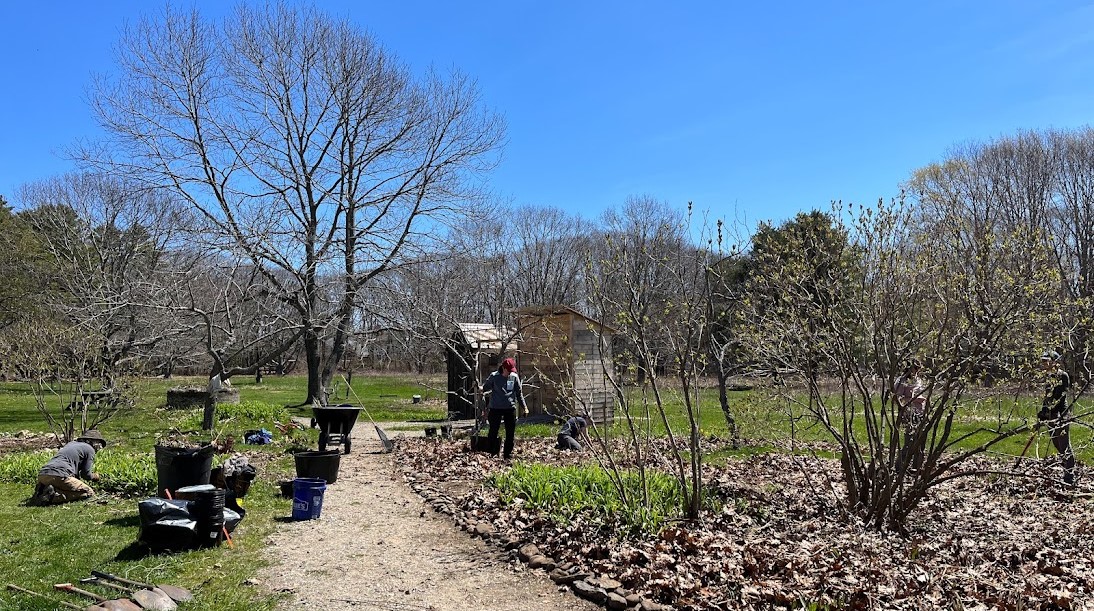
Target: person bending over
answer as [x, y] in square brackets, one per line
[59, 481]
[573, 432]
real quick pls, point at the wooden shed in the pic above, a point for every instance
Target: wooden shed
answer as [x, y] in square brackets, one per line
[474, 350]
[565, 358]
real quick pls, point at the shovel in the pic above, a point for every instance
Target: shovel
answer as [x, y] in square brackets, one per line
[63, 603]
[152, 598]
[118, 604]
[176, 593]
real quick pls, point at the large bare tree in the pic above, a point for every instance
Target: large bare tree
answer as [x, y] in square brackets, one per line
[307, 148]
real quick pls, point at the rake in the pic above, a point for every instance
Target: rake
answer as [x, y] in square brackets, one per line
[387, 444]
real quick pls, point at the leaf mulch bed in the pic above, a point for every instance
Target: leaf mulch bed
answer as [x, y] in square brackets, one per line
[26, 440]
[777, 541]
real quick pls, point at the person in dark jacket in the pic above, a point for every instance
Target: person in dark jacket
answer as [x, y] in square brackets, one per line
[502, 387]
[572, 432]
[59, 481]
[1055, 411]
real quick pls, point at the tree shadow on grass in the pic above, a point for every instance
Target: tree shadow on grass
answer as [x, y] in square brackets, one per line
[134, 551]
[124, 522]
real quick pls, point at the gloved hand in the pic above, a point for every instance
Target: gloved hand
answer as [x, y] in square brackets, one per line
[94, 477]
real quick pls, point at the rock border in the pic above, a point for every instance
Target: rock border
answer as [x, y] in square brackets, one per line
[601, 589]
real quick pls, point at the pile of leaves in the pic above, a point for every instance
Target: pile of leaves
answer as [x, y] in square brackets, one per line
[777, 537]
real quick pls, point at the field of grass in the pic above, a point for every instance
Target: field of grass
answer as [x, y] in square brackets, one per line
[765, 424]
[41, 546]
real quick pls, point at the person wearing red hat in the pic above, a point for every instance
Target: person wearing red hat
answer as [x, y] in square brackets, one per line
[504, 392]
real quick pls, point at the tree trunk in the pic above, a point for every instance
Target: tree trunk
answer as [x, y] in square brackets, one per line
[338, 346]
[210, 402]
[312, 353]
[723, 400]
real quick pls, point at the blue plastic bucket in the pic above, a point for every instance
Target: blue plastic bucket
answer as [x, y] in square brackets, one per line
[307, 497]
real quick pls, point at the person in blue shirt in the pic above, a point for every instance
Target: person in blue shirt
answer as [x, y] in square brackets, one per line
[502, 388]
[59, 481]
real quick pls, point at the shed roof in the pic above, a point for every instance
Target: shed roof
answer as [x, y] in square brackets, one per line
[552, 310]
[485, 336]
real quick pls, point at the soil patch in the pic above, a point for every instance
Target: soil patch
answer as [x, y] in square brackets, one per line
[776, 539]
[26, 440]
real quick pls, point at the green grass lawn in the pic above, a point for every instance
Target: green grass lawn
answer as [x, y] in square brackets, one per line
[41, 546]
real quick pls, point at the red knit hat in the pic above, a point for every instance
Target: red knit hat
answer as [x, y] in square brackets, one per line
[509, 364]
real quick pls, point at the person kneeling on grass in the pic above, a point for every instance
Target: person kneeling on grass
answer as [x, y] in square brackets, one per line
[574, 429]
[59, 480]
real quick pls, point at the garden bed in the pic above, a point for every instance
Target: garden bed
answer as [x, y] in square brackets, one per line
[775, 539]
[26, 440]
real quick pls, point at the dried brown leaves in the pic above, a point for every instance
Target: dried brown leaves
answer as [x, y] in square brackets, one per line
[777, 541]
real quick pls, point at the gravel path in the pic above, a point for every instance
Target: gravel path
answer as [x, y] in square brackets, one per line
[379, 546]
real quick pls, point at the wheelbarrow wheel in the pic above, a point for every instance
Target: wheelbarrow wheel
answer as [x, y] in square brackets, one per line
[322, 441]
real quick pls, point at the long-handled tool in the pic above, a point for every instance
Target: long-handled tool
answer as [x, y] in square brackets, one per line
[63, 603]
[176, 593]
[116, 604]
[149, 598]
[385, 442]
[1026, 449]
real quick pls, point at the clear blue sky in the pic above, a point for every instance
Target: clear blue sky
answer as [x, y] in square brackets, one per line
[763, 108]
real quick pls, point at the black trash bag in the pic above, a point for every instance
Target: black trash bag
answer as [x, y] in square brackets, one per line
[232, 518]
[166, 524]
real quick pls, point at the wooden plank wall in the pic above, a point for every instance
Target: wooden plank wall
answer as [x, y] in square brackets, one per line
[562, 366]
[544, 360]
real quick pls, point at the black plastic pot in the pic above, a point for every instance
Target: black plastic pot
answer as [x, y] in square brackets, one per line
[180, 467]
[318, 465]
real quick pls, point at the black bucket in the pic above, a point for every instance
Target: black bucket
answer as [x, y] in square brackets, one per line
[318, 465]
[180, 467]
[483, 443]
[207, 510]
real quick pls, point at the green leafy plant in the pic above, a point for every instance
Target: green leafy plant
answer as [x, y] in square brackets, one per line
[565, 492]
[120, 471]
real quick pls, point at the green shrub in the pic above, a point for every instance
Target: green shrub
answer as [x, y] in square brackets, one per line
[125, 472]
[564, 492]
[244, 415]
[23, 467]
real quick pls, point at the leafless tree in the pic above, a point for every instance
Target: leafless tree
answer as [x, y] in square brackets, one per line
[545, 250]
[842, 323]
[1038, 183]
[309, 150]
[652, 286]
[106, 242]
